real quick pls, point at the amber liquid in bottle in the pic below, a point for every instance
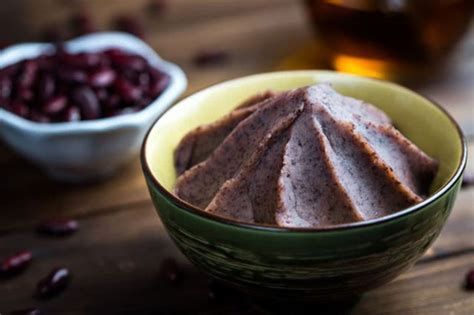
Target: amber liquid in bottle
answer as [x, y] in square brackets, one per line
[393, 39]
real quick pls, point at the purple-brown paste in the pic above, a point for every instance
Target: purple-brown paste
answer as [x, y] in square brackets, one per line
[308, 157]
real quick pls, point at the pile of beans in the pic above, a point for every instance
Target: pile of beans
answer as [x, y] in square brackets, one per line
[62, 87]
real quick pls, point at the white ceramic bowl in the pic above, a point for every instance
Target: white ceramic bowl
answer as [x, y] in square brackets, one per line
[85, 150]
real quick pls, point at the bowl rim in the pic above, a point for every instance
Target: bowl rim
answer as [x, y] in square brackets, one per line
[347, 226]
[162, 102]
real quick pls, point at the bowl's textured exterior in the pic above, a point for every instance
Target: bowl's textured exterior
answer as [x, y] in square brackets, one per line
[86, 150]
[309, 266]
[316, 265]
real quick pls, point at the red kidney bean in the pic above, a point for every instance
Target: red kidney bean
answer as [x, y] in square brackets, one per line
[210, 57]
[129, 62]
[102, 94]
[54, 283]
[143, 79]
[28, 74]
[71, 113]
[88, 103]
[130, 75]
[27, 311]
[158, 85]
[130, 25]
[81, 60]
[155, 74]
[469, 280]
[15, 264]
[24, 94]
[113, 101]
[72, 75]
[102, 77]
[58, 227]
[55, 104]
[90, 59]
[39, 117]
[105, 62]
[69, 87]
[142, 103]
[18, 108]
[127, 91]
[5, 87]
[169, 270]
[46, 62]
[11, 70]
[113, 52]
[46, 86]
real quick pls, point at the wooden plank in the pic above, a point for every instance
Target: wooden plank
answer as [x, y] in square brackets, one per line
[114, 260]
[458, 231]
[434, 288]
[454, 89]
[28, 196]
[115, 257]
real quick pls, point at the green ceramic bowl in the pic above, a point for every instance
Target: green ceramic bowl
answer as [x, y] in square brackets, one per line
[296, 263]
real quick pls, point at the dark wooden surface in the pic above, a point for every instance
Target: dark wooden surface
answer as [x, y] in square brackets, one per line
[116, 254]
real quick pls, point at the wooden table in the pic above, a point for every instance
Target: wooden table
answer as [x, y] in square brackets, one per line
[115, 256]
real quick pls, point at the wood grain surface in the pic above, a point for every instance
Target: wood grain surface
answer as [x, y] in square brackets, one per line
[115, 256]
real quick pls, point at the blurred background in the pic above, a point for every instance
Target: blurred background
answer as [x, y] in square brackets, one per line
[255, 35]
[427, 45]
